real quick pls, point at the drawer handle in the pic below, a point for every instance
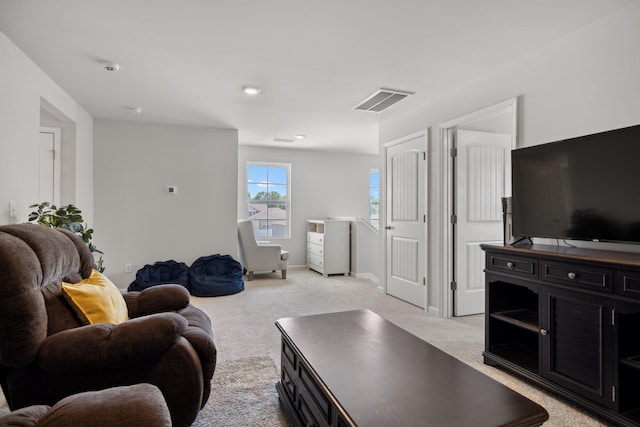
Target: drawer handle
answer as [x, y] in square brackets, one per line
[543, 332]
[571, 275]
[510, 264]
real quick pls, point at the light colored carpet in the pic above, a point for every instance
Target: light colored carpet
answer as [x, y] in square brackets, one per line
[243, 394]
[249, 344]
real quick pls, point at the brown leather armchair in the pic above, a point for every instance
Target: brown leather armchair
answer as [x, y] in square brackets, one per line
[47, 354]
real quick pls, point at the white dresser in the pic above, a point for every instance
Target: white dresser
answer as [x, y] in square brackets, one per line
[328, 246]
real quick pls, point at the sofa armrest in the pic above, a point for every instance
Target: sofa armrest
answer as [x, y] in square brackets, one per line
[156, 299]
[135, 405]
[25, 417]
[107, 346]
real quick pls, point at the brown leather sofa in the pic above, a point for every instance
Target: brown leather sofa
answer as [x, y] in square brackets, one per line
[140, 405]
[47, 354]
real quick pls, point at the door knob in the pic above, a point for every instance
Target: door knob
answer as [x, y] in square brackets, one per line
[543, 332]
[388, 227]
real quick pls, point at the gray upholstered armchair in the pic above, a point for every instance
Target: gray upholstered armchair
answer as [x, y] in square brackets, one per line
[47, 352]
[256, 256]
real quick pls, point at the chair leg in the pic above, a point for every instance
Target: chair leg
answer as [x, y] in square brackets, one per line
[250, 275]
[284, 274]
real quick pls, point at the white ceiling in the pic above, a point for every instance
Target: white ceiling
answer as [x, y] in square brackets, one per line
[185, 61]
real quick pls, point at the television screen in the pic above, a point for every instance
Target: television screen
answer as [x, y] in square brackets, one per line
[583, 188]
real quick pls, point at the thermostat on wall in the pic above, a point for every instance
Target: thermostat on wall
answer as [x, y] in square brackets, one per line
[172, 189]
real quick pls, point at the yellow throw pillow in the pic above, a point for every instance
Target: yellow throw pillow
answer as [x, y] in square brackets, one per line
[96, 300]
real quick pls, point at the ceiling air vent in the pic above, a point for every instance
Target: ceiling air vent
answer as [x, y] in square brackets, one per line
[283, 140]
[382, 99]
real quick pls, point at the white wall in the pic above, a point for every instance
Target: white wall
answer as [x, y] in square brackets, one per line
[584, 83]
[324, 184]
[136, 221]
[23, 89]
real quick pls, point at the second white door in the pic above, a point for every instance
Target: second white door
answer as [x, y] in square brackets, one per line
[406, 220]
[483, 177]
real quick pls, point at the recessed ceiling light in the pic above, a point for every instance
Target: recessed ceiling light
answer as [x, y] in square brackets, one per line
[300, 136]
[137, 110]
[251, 90]
[112, 67]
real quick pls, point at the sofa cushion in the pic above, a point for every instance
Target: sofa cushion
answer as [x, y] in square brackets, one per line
[96, 300]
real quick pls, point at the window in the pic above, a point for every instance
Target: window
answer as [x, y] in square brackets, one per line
[268, 199]
[374, 198]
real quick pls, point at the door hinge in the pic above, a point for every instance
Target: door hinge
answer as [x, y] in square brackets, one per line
[613, 317]
[424, 281]
[424, 219]
[454, 219]
[613, 393]
[454, 286]
[53, 154]
[454, 152]
[424, 155]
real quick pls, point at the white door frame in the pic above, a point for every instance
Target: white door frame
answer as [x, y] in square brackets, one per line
[447, 131]
[383, 210]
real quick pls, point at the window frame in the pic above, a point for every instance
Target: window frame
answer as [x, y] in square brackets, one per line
[375, 224]
[287, 200]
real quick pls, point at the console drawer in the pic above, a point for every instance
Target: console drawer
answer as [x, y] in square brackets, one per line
[288, 354]
[526, 267]
[628, 283]
[577, 275]
[288, 382]
[318, 400]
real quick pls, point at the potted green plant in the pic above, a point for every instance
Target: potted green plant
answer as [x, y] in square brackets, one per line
[68, 217]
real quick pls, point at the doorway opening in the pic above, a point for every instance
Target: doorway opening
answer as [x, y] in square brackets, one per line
[65, 155]
[477, 174]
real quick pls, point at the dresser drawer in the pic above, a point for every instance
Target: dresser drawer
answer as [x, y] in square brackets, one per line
[628, 283]
[317, 238]
[577, 275]
[315, 249]
[315, 261]
[525, 267]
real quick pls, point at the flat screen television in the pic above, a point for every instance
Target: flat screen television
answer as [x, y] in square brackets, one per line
[584, 188]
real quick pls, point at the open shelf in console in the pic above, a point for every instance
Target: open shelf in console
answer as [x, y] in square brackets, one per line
[629, 367]
[523, 318]
[513, 324]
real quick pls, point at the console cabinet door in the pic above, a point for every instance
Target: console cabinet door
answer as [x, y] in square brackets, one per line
[577, 338]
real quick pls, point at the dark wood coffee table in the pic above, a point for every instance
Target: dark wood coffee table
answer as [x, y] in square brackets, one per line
[356, 369]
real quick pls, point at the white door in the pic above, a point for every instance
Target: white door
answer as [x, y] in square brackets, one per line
[406, 221]
[483, 177]
[49, 165]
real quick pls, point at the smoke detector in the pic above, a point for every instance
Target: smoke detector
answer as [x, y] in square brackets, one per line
[135, 109]
[112, 67]
[382, 99]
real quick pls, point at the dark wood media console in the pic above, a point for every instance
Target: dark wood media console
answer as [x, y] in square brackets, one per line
[356, 369]
[568, 319]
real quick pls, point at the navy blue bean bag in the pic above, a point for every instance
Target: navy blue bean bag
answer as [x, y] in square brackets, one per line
[160, 273]
[215, 275]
